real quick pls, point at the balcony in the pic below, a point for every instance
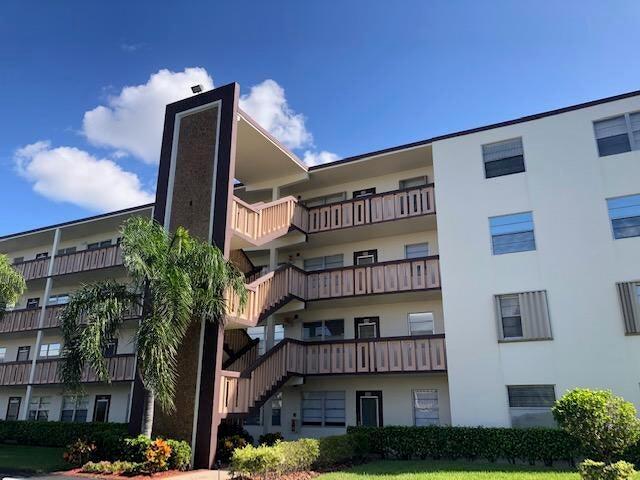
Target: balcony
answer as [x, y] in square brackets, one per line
[247, 391]
[26, 319]
[82, 261]
[271, 291]
[121, 368]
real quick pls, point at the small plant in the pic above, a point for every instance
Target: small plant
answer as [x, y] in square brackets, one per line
[227, 445]
[591, 470]
[262, 460]
[136, 448]
[180, 458]
[114, 468]
[157, 456]
[79, 452]
[270, 438]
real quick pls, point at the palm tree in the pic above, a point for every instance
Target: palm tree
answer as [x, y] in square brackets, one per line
[175, 280]
[12, 283]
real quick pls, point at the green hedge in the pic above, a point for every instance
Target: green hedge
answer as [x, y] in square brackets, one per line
[60, 434]
[513, 444]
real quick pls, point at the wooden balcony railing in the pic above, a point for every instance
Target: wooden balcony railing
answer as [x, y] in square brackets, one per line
[241, 392]
[262, 222]
[120, 367]
[82, 261]
[271, 291]
[27, 318]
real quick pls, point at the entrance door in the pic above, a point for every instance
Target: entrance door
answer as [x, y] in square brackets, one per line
[369, 408]
[101, 408]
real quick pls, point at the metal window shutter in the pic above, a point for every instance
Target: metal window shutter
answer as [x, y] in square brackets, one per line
[629, 306]
[535, 315]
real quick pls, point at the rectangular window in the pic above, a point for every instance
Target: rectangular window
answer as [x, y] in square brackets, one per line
[23, 354]
[276, 410]
[33, 302]
[421, 323]
[325, 200]
[18, 260]
[367, 327]
[530, 405]
[49, 350]
[111, 348]
[323, 409]
[3, 354]
[365, 257]
[102, 244]
[624, 213]
[67, 251]
[59, 299]
[510, 316]
[512, 233]
[365, 192]
[629, 295]
[39, 408]
[323, 263]
[413, 182]
[259, 333]
[42, 255]
[74, 408]
[618, 134]
[425, 408]
[101, 408]
[254, 419]
[13, 408]
[503, 158]
[417, 250]
[323, 330]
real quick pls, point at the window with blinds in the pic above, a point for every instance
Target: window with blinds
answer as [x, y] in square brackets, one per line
[530, 405]
[322, 263]
[512, 233]
[416, 250]
[618, 134]
[503, 158]
[624, 213]
[425, 408]
[325, 409]
[523, 316]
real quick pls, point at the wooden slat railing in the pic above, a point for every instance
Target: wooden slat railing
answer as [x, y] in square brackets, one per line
[120, 367]
[376, 208]
[272, 290]
[263, 222]
[241, 392]
[32, 269]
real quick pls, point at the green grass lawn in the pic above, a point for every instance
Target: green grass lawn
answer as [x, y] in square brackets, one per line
[20, 458]
[441, 470]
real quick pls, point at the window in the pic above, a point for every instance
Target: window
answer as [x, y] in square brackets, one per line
[323, 330]
[96, 245]
[367, 327]
[39, 408]
[59, 299]
[276, 410]
[323, 409]
[365, 192]
[42, 255]
[629, 295]
[510, 316]
[425, 408]
[67, 251]
[3, 354]
[49, 350]
[322, 263]
[101, 408]
[421, 323]
[413, 182]
[624, 213]
[18, 260]
[325, 200]
[618, 134]
[503, 158]
[530, 405]
[33, 303]
[111, 348]
[254, 418]
[23, 354]
[512, 233]
[74, 408]
[259, 333]
[365, 257]
[13, 408]
[417, 250]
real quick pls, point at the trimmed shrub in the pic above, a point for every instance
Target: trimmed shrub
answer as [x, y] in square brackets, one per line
[336, 450]
[270, 438]
[180, 458]
[118, 467]
[61, 434]
[271, 461]
[514, 444]
[79, 452]
[591, 470]
[298, 456]
[604, 424]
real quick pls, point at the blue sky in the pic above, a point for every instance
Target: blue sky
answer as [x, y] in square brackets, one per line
[332, 78]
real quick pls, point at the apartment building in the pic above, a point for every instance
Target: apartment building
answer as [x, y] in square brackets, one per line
[468, 279]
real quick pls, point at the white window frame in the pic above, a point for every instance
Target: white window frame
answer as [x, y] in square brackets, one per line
[433, 323]
[48, 348]
[611, 219]
[377, 399]
[422, 178]
[633, 144]
[484, 160]
[42, 404]
[492, 235]
[323, 408]
[508, 296]
[415, 408]
[78, 401]
[406, 254]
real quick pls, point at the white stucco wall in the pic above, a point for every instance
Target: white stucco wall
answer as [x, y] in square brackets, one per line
[577, 261]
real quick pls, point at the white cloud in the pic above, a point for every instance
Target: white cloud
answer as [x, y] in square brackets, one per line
[318, 158]
[67, 174]
[267, 105]
[132, 121]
